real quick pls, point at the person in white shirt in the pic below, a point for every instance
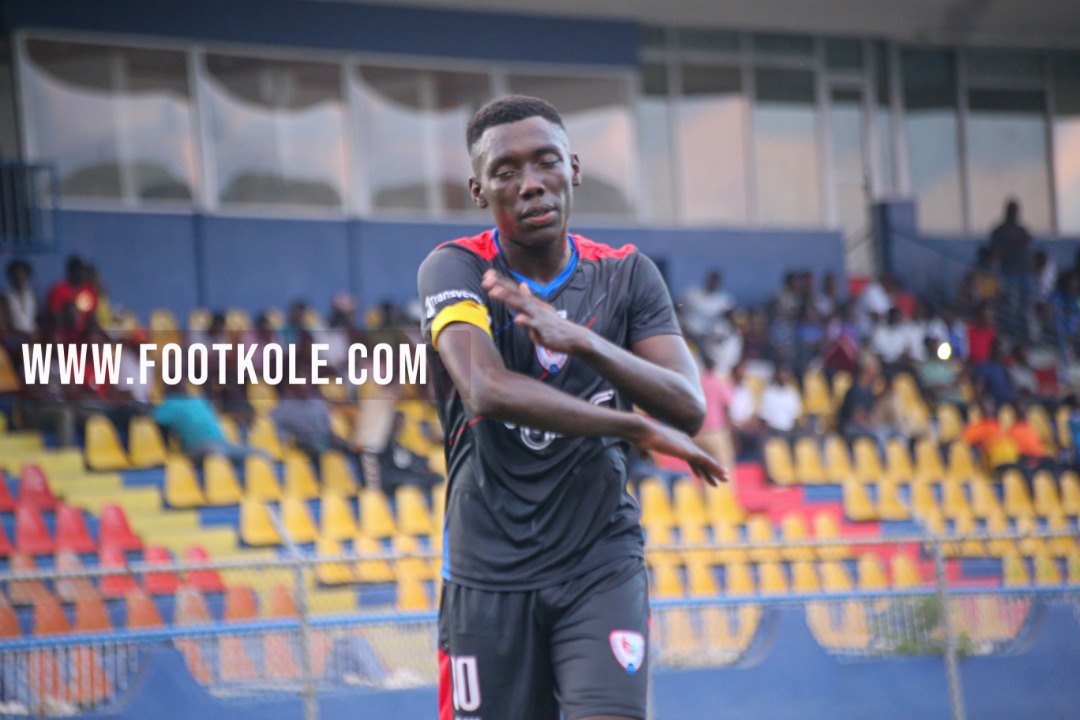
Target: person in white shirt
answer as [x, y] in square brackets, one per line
[872, 305]
[892, 340]
[20, 299]
[704, 306]
[781, 406]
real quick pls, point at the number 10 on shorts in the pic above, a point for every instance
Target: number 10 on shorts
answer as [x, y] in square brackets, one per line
[466, 681]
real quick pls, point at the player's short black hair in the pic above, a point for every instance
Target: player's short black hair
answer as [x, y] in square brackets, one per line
[509, 109]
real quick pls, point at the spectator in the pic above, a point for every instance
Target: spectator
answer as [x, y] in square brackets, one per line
[20, 299]
[944, 328]
[872, 306]
[195, 424]
[1073, 423]
[73, 292]
[788, 300]
[703, 306]
[981, 285]
[841, 350]
[746, 425]
[938, 377]
[1010, 243]
[981, 336]
[782, 339]
[993, 379]
[715, 434]
[103, 311]
[891, 341]
[828, 300]
[1065, 309]
[724, 344]
[1046, 274]
[781, 406]
[1024, 378]
[854, 416]
[303, 414]
[984, 434]
[809, 337]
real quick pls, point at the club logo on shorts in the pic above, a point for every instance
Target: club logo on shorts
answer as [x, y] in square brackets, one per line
[629, 649]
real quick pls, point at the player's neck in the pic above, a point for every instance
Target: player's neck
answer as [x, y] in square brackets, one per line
[541, 263]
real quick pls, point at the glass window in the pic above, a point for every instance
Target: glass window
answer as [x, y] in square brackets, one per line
[1067, 143]
[843, 54]
[599, 121]
[711, 142]
[654, 128]
[276, 131]
[703, 39]
[884, 130]
[1004, 64]
[9, 129]
[1006, 151]
[653, 37]
[786, 148]
[930, 125]
[783, 45]
[413, 135]
[115, 121]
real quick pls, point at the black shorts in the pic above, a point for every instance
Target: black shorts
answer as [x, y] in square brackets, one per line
[580, 647]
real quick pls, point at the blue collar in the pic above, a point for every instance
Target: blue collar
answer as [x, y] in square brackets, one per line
[537, 288]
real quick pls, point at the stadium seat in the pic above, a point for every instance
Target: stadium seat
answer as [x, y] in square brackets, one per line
[871, 574]
[655, 506]
[371, 571]
[809, 468]
[868, 467]
[208, 580]
[928, 466]
[837, 461]
[91, 614]
[263, 398]
[413, 517]
[263, 436]
[236, 664]
[701, 582]
[9, 623]
[25, 592]
[953, 500]
[237, 320]
[9, 377]
[905, 573]
[1014, 572]
[33, 488]
[331, 573]
[961, 462]
[738, 580]
[889, 505]
[1006, 417]
[146, 446]
[689, 503]
[182, 489]
[71, 531]
[163, 327]
[31, 534]
[857, 504]
[336, 473]
[240, 604]
[7, 500]
[827, 527]
[338, 522]
[191, 609]
[376, 518]
[793, 530]
[950, 423]
[898, 465]
[300, 480]
[114, 586]
[412, 594]
[759, 529]
[256, 528]
[282, 605]
[1072, 562]
[297, 520]
[1070, 493]
[70, 588]
[667, 581]
[1046, 502]
[1047, 572]
[841, 383]
[804, 577]
[997, 524]
[230, 430]
[103, 448]
[114, 530]
[723, 506]
[984, 502]
[49, 617]
[778, 463]
[260, 482]
[725, 534]
[1017, 501]
[771, 579]
[816, 399]
[219, 479]
[159, 583]
[199, 319]
[835, 577]
[410, 564]
[438, 506]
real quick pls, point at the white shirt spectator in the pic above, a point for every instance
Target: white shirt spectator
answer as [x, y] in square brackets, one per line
[890, 342]
[872, 300]
[130, 375]
[22, 306]
[743, 404]
[703, 308]
[781, 407]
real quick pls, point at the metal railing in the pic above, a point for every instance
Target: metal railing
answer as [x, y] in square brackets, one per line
[309, 648]
[29, 201]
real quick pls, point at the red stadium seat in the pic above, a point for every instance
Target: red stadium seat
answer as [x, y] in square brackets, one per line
[7, 502]
[114, 530]
[240, 604]
[282, 604]
[116, 585]
[160, 583]
[191, 608]
[9, 624]
[91, 615]
[34, 490]
[141, 611]
[5, 544]
[31, 535]
[25, 592]
[71, 531]
[71, 589]
[204, 580]
[49, 617]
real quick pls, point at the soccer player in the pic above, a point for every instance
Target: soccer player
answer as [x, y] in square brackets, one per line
[544, 342]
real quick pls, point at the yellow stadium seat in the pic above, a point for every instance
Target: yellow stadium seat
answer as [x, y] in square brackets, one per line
[256, 528]
[905, 573]
[9, 378]
[867, 461]
[778, 463]
[438, 507]
[857, 505]
[263, 398]
[898, 461]
[984, 502]
[835, 577]
[667, 581]
[199, 319]
[1046, 502]
[655, 507]
[961, 462]
[237, 320]
[1072, 561]
[296, 517]
[841, 383]
[658, 535]
[771, 579]
[950, 423]
[689, 504]
[826, 527]
[1029, 546]
[341, 424]
[934, 522]
[336, 473]
[738, 580]
[337, 518]
[692, 534]
[371, 571]
[759, 530]
[793, 530]
[413, 517]
[953, 501]
[103, 449]
[300, 478]
[260, 482]
[871, 573]
[1017, 503]
[229, 429]
[723, 506]
[889, 505]
[1039, 420]
[928, 466]
[331, 573]
[701, 581]
[816, 399]
[182, 489]
[998, 524]
[263, 436]
[837, 461]
[1060, 546]
[412, 594]
[376, 518]
[146, 443]
[219, 478]
[725, 534]
[1064, 436]
[965, 525]
[1047, 572]
[1006, 417]
[1070, 493]
[410, 564]
[1014, 570]
[809, 468]
[804, 577]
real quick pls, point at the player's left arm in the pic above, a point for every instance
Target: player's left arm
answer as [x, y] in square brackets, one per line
[658, 373]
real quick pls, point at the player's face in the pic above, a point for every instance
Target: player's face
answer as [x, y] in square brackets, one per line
[525, 174]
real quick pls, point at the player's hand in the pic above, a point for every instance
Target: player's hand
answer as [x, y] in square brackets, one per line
[546, 327]
[669, 441]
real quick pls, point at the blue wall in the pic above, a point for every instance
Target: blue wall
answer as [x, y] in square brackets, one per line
[184, 261]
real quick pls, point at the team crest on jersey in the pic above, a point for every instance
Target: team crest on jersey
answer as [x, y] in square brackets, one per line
[552, 361]
[629, 649]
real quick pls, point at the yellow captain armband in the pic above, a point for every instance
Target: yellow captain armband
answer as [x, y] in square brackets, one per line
[467, 311]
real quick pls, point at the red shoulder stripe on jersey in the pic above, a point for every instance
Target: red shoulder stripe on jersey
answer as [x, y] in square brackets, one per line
[482, 244]
[590, 250]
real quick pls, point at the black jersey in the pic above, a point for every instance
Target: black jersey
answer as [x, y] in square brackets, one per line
[527, 508]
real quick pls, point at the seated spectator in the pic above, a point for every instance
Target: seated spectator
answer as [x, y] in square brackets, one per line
[1024, 378]
[1073, 422]
[195, 424]
[840, 352]
[828, 300]
[748, 430]
[993, 379]
[303, 414]
[73, 295]
[981, 335]
[1065, 310]
[788, 300]
[724, 344]
[809, 338]
[781, 405]
[1046, 274]
[981, 285]
[400, 466]
[19, 299]
[872, 305]
[782, 338]
[891, 341]
[703, 306]
[938, 378]
[944, 327]
[854, 416]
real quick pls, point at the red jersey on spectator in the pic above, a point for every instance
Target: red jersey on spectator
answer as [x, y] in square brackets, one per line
[980, 338]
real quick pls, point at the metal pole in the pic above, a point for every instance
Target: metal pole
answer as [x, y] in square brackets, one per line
[952, 662]
[310, 690]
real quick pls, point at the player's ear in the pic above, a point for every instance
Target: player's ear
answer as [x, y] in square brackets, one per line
[477, 196]
[575, 167]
